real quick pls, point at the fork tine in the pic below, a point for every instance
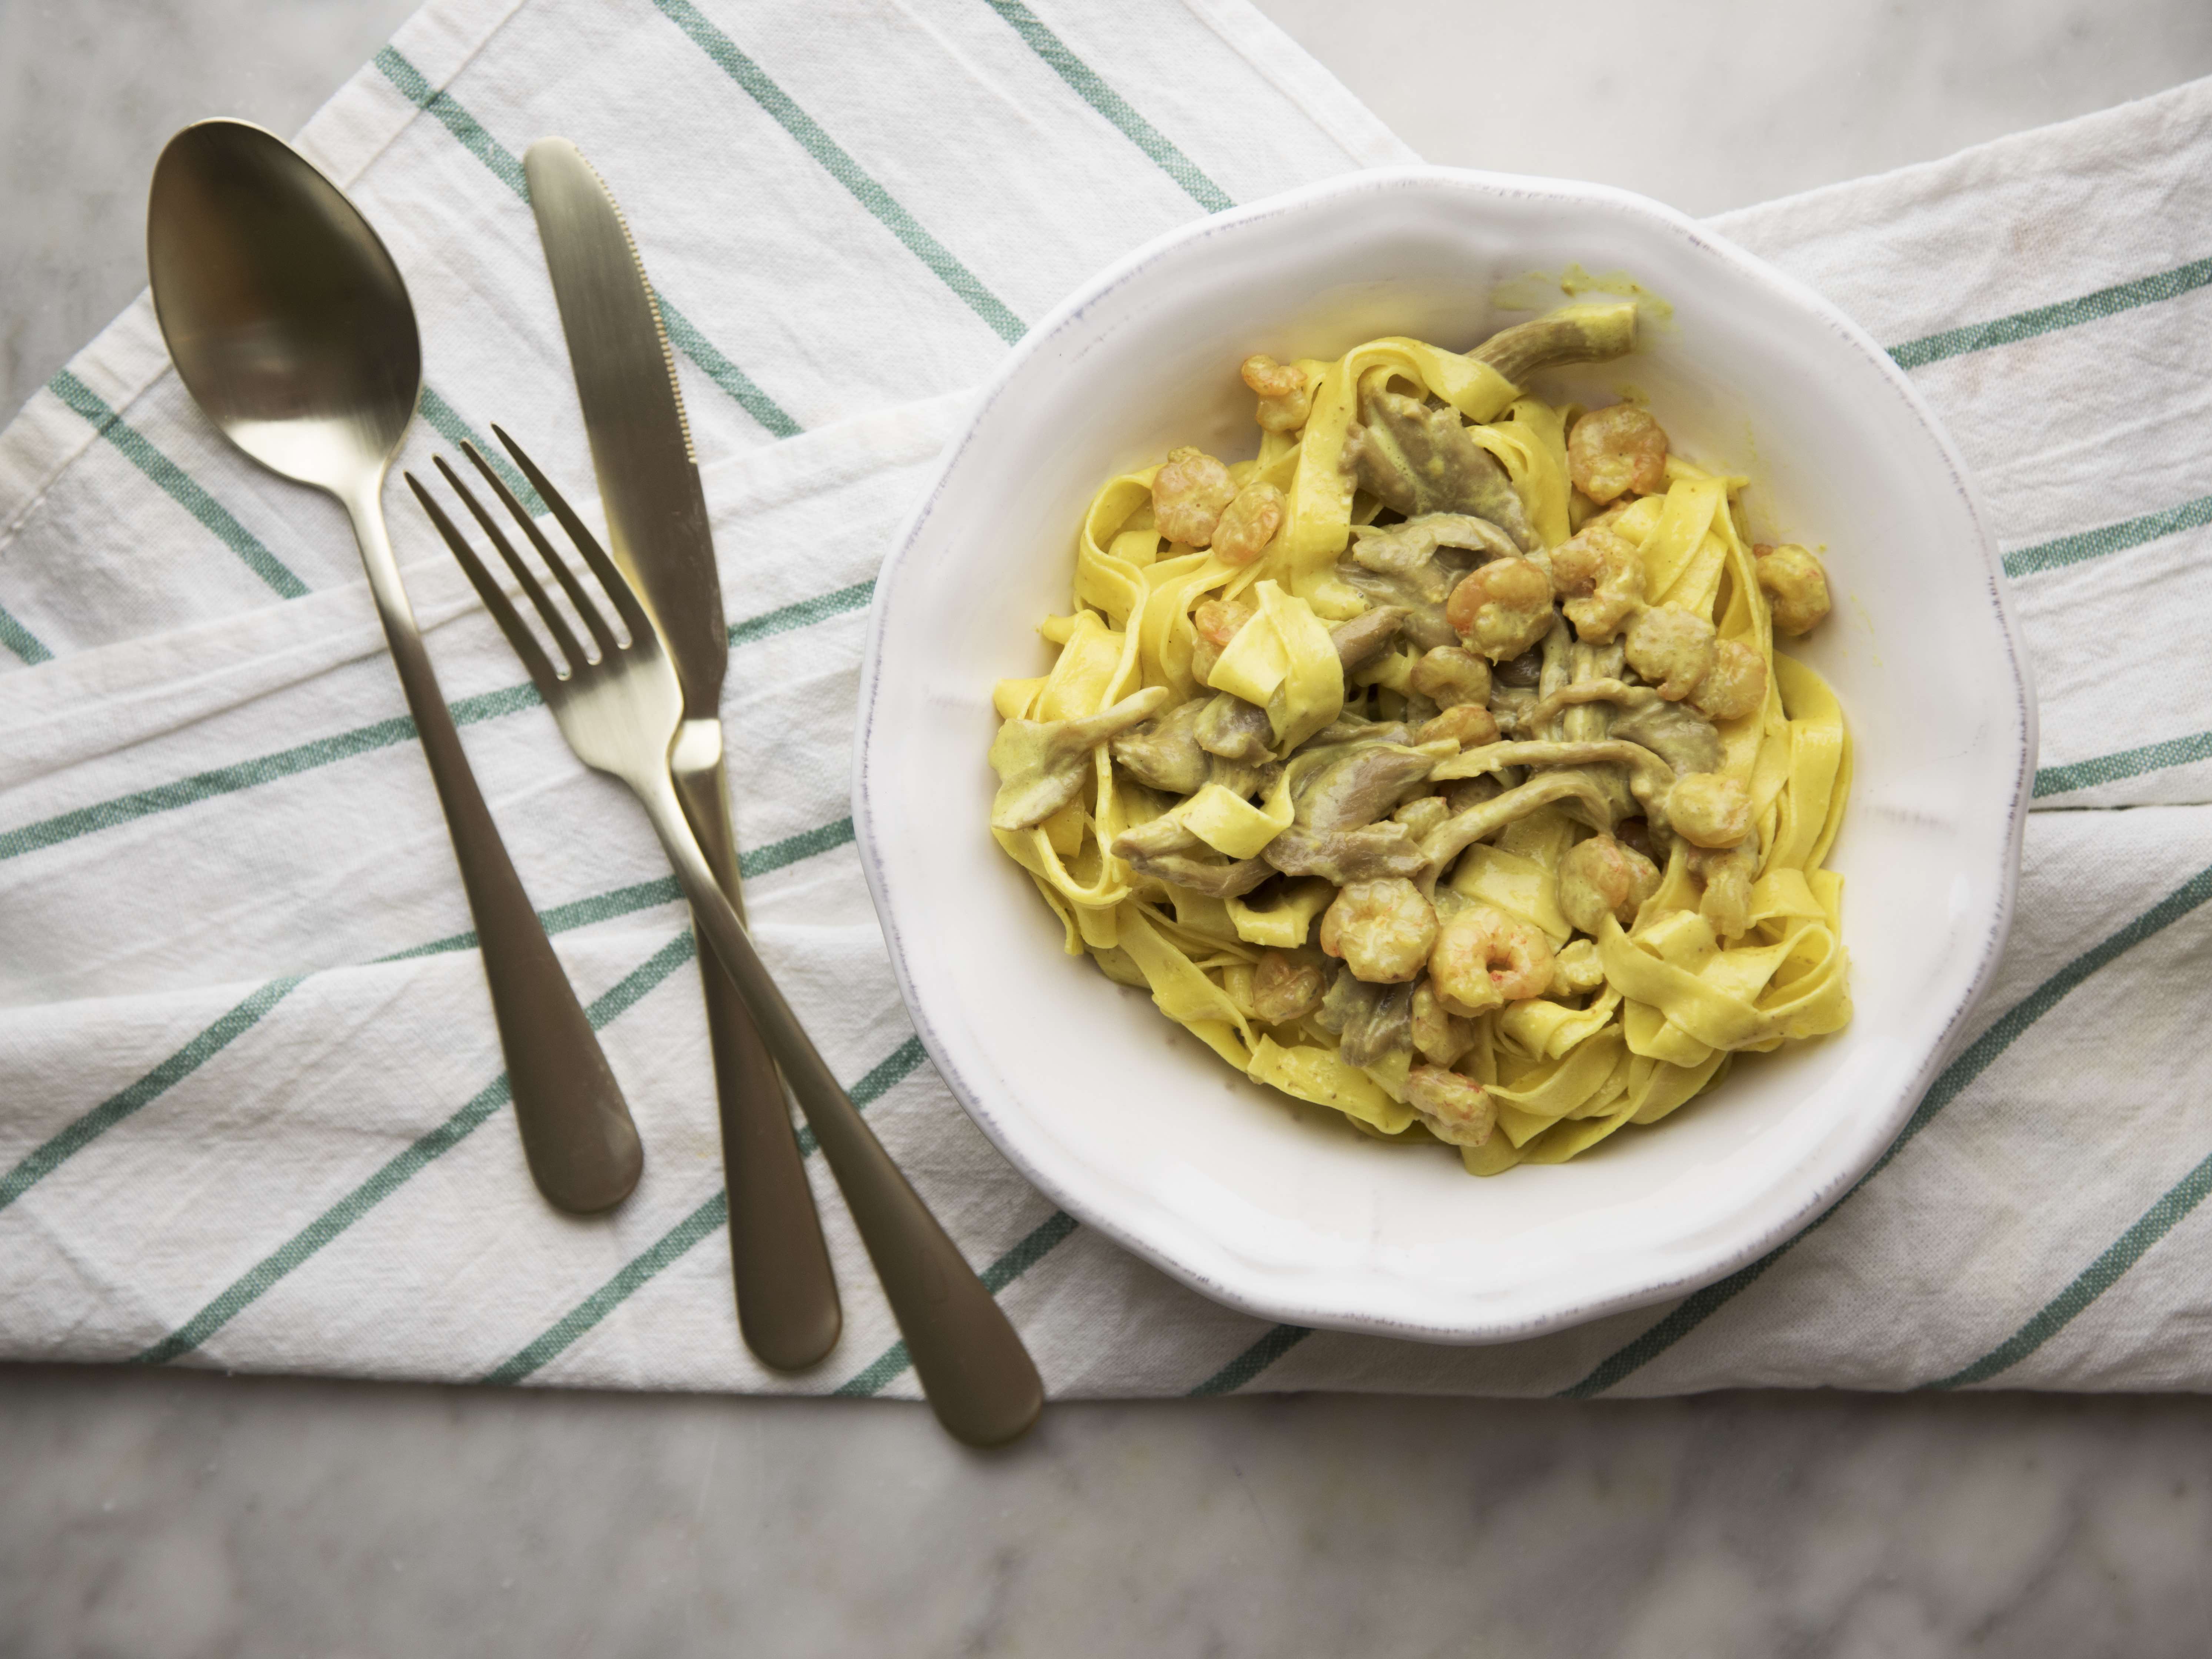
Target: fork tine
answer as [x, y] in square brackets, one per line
[587, 608]
[542, 673]
[616, 585]
[555, 623]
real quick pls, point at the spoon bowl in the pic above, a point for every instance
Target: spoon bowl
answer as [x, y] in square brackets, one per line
[287, 317]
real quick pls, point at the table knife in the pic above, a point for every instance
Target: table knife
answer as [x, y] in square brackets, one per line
[656, 515]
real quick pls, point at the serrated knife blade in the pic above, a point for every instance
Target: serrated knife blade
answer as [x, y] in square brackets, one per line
[658, 533]
[641, 450]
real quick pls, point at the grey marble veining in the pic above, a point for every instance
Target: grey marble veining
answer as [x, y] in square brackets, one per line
[1716, 103]
[158, 1515]
[168, 1516]
[89, 91]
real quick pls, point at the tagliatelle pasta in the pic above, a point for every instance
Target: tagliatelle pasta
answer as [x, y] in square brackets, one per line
[1435, 765]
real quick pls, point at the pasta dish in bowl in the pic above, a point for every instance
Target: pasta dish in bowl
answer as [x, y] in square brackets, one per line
[1435, 765]
[1337, 721]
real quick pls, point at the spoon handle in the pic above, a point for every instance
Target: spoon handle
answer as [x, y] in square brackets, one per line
[582, 1147]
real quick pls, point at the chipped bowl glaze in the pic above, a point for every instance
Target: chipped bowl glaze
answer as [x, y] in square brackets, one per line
[1275, 1207]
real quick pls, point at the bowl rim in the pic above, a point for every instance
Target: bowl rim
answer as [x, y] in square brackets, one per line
[1208, 1269]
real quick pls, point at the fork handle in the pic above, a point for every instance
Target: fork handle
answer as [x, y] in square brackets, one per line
[979, 1378]
[577, 1135]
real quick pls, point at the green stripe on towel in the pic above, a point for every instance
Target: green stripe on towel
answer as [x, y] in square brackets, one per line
[176, 484]
[23, 642]
[447, 111]
[1254, 1359]
[2046, 319]
[1110, 104]
[2108, 538]
[2100, 1276]
[73, 1137]
[802, 614]
[80, 1133]
[871, 195]
[2126, 764]
[886, 1074]
[671, 1246]
[649, 895]
[245, 774]
[382, 734]
[446, 420]
[684, 335]
[1031, 1248]
[1980, 1055]
[635, 1274]
[251, 1285]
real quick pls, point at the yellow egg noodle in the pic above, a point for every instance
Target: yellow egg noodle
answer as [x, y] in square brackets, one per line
[1436, 764]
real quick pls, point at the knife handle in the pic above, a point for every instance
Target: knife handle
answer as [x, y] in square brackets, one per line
[787, 1305]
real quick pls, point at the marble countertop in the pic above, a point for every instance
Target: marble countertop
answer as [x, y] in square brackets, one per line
[153, 1515]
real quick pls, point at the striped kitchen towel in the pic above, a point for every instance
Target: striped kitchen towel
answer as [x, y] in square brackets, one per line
[254, 1114]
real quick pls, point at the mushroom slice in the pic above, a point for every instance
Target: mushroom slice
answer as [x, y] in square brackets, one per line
[1364, 637]
[1592, 332]
[1416, 459]
[1163, 753]
[1367, 853]
[1210, 874]
[1233, 730]
[1041, 765]
[1402, 547]
[1365, 785]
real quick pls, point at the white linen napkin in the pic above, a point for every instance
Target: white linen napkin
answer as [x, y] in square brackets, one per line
[255, 1116]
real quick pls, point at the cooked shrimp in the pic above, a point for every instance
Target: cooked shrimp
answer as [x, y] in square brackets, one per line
[1601, 576]
[1736, 685]
[1456, 1109]
[1441, 1037]
[1217, 622]
[1451, 675]
[1600, 877]
[1285, 988]
[1284, 400]
[1613, 451]
[1249, 523]
[1672, 648]
[1709, 808]
[1463, 723]
[1484, 958]
[1796, 586]
[1382, 929]
[1727, 876]
[1502, 608]
[1188, 493]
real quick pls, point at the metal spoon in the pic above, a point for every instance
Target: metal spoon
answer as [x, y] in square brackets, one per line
[290, 323]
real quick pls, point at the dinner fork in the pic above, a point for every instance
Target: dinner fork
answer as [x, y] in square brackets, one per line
[619, 708]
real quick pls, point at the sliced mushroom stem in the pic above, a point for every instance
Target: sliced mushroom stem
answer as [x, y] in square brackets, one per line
[1591, 332]
[1649, 778]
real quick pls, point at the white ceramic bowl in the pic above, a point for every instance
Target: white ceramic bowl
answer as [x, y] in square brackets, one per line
[1274, 1207]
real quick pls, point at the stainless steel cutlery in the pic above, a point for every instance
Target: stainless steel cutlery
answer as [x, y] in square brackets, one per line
[657, 533]
[620, 706]
[289, 325]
